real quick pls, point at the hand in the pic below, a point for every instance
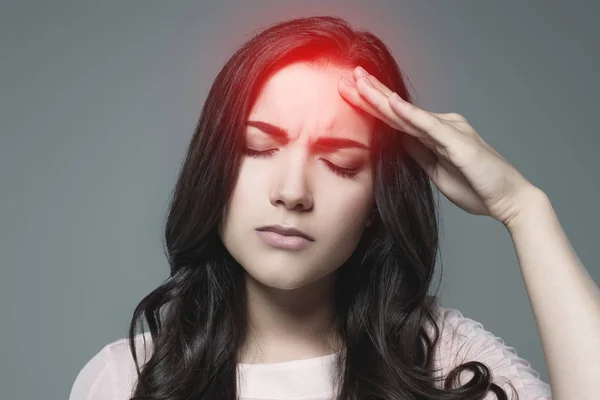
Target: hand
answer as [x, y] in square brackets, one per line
[467, 170]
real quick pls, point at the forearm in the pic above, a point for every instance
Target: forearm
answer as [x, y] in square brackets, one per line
[564, 298]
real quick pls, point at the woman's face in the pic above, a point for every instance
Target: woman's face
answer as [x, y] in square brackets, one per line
[322, 187]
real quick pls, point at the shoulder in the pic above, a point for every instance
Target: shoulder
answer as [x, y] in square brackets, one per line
[463, 339]
[111, 372]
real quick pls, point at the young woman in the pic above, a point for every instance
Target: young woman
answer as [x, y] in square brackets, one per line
[302, 238]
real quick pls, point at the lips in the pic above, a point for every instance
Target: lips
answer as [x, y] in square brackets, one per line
[282, 230]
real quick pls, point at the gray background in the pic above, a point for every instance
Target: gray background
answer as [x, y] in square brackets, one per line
[99, 100]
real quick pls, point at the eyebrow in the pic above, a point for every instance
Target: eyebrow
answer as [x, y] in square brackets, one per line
[327, 143]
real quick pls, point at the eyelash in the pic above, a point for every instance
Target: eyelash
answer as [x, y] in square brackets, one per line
[343, 172]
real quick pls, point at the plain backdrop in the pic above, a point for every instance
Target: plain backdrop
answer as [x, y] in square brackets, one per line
[99, 100]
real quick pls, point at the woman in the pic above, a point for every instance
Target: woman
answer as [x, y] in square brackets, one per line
[302, 239]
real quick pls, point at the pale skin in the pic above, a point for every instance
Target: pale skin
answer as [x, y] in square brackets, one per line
[290, 181]
[473, 176]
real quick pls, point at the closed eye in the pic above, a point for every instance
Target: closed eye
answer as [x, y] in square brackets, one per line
[343, 172]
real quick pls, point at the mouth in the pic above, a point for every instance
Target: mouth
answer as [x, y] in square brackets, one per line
[282, 230]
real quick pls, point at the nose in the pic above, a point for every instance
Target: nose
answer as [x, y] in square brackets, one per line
[290, 185]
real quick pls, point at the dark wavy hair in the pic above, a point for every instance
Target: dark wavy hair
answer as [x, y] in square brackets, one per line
[197, 316]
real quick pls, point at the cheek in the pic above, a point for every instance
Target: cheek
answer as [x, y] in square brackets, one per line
[347, 204]
[351, 213]
[240, 196]
[246, 202]
[253, 175]
[248, 187]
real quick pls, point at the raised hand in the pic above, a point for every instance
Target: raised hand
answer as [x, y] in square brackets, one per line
[466, 169]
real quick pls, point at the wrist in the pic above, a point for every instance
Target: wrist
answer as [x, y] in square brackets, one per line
[535, 203]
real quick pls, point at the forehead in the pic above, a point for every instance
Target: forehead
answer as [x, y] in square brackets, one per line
[304, 98]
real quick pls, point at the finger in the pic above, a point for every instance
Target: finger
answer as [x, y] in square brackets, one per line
[361, 72]
[352, 96]
[423, 122]
[428, 128]
[381, 103]
[452, 117]
[358, 99]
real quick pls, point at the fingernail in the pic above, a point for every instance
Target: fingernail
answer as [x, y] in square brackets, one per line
[348, 82]
[361, 71]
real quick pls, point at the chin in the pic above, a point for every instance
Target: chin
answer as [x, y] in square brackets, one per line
[288, 287]
[283, 282]
[280, 278]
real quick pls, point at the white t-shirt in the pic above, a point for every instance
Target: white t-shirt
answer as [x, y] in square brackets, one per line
[111, 373]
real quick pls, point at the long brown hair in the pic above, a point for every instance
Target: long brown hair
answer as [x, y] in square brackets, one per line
[388, 323]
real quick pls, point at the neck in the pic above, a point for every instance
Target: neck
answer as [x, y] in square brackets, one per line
[287, 325]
